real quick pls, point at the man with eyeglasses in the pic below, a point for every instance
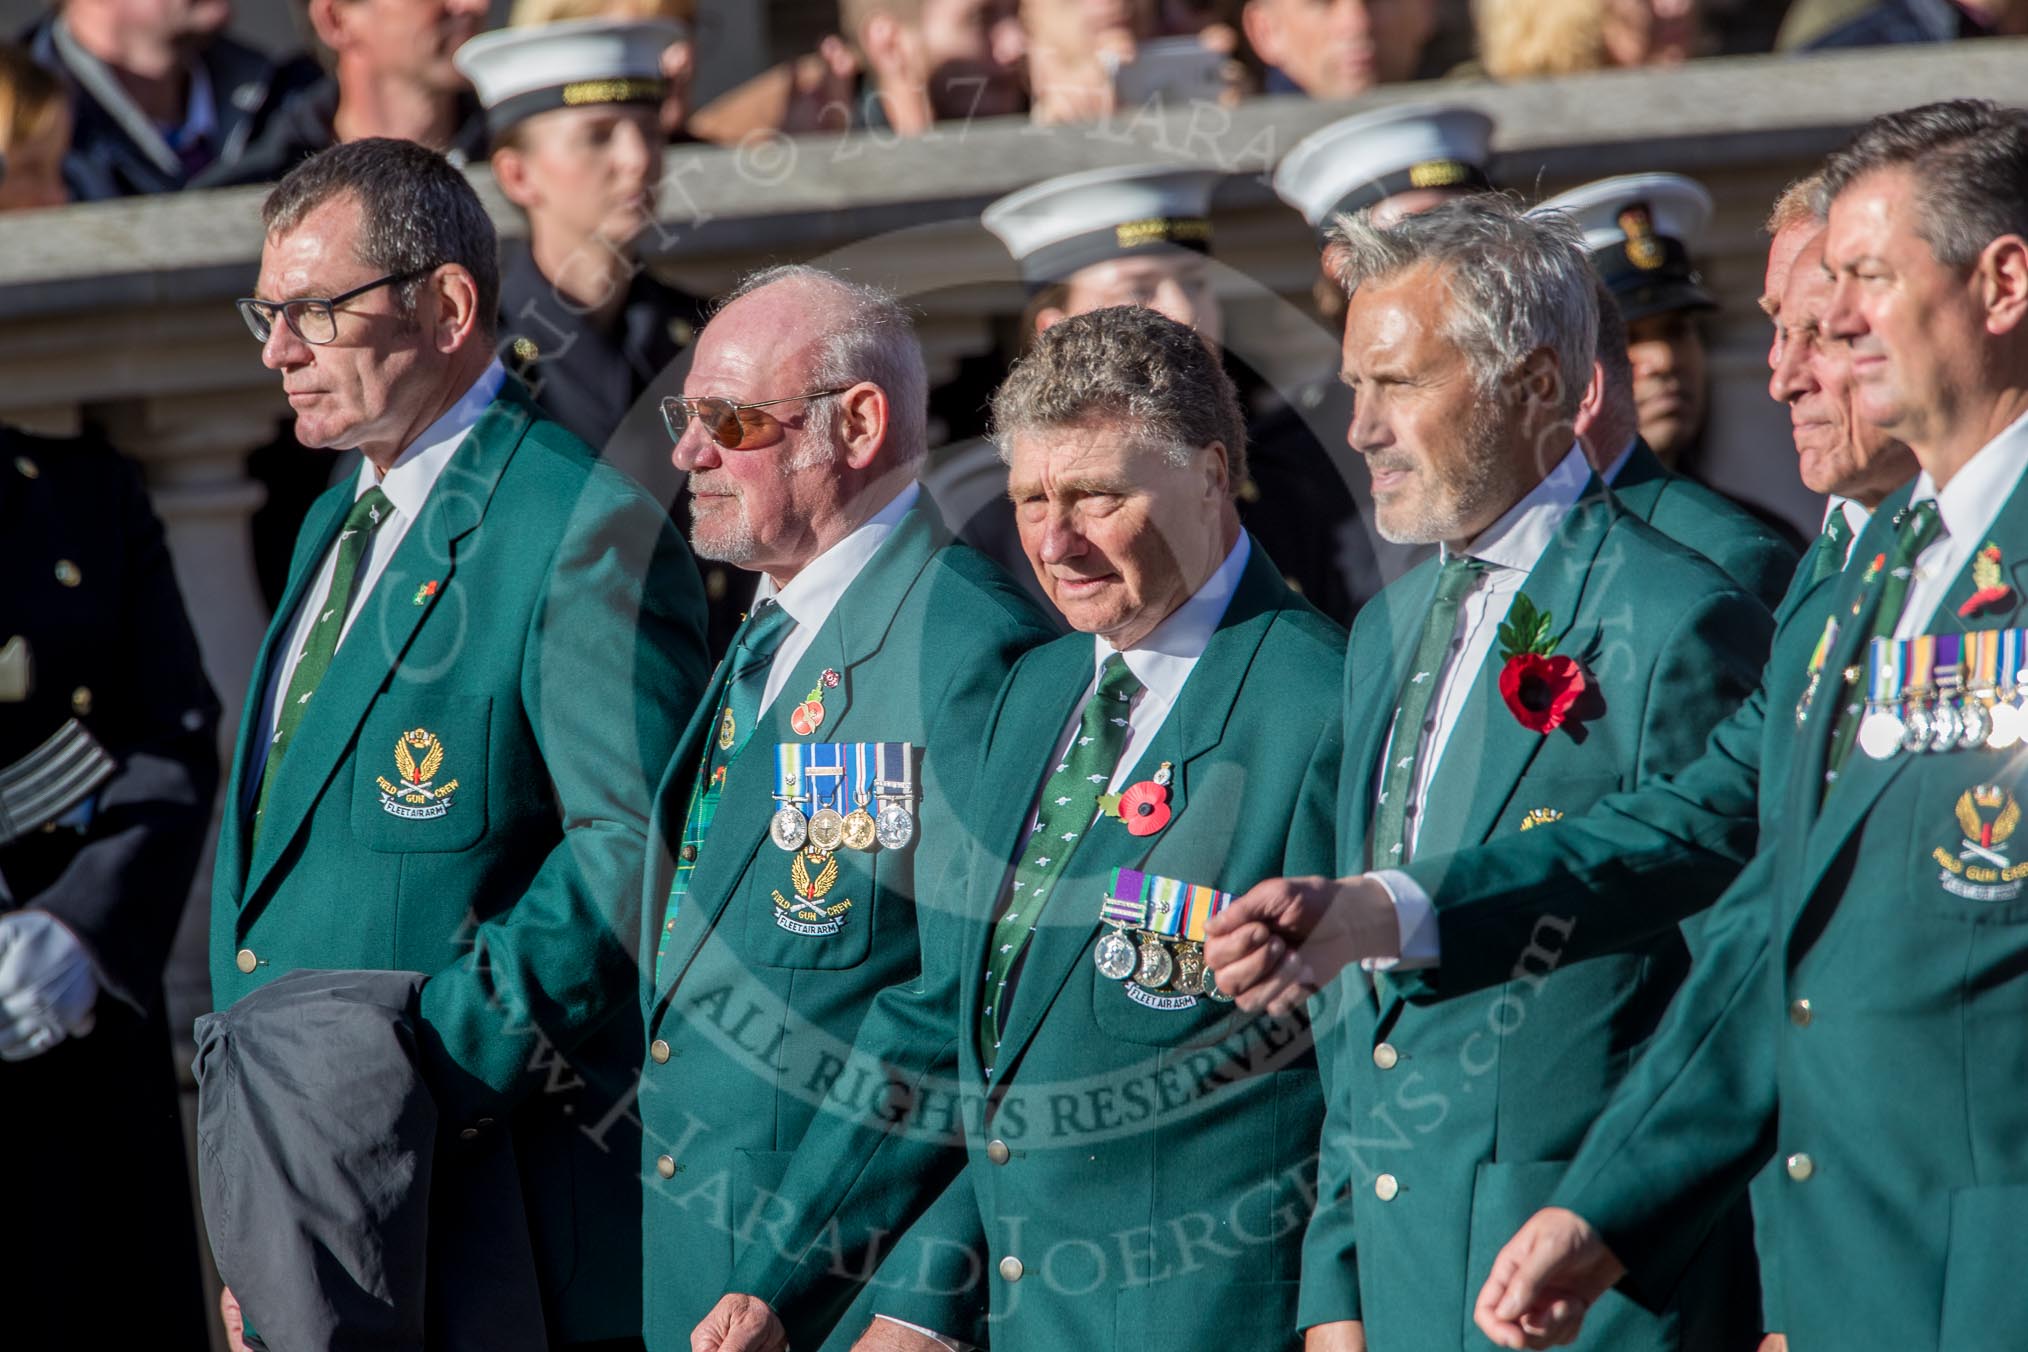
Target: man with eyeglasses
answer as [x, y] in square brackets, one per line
[834, 748]
[481, 663]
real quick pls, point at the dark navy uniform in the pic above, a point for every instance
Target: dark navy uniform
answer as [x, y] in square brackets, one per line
[302, 126]
[115, 151]
[99, 1245]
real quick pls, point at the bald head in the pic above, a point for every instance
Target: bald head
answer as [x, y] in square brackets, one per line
[844, 438]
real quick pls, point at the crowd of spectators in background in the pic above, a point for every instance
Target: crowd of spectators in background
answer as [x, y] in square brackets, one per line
[144, 96]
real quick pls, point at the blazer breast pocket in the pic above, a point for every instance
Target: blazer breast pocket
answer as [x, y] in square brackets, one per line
[419, 775]
[1130, 1012]
[809, 911]
[1967, 851]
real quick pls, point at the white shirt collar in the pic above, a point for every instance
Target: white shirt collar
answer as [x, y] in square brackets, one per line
[415, 471]
[1856, 515]
[1162, 661]
[1612, 471]
[813, 593]
[1971, 501]
[1518, 538]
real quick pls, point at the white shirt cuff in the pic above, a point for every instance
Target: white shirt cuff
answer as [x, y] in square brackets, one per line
[952, 1343]
[1416, 915]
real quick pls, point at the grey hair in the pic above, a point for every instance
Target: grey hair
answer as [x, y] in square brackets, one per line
[1969, 160]
[1798, 204]
[1132, 366]
[417, 212]
[865, 334]
[1519, 281]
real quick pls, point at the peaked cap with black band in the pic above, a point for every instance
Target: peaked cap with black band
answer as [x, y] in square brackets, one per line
[1060, 225]
[519, 72]
[1639, 230]
[1360, 161]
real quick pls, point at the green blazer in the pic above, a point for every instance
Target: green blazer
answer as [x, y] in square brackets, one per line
[542, 625]
[1141, 1175]
[1679, 839]
[751, 1024]
[1452, 1118]
[1745, 548]
[1862, 1024]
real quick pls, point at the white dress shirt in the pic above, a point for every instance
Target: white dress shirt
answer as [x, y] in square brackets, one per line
[814, 592]
[1967, 506]
[407, 484]
[1856, 518]
[1511, 546]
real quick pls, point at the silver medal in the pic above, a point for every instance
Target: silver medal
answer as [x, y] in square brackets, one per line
[1879, 734]
[788, 829]
[1978, 725]
[1116, 956]
[1946, 725]
[1211, 987]
[2006, 719]
[827, 829]
[1915, 728]
[895, 827]
[1156, 966]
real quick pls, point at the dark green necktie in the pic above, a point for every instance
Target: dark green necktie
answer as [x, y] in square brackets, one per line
[1389, 844]
[1069, 802]
[355, 537]
[1828, 559]
[747, 667]
[1881, 598]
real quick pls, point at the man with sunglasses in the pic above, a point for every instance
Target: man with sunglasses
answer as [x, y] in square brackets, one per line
[830, 760]
[482, 660]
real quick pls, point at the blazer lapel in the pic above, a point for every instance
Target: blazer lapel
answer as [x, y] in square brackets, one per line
[1193, 727]
[1488, 751]
[372, 649]
[855, 632]
[327, 515]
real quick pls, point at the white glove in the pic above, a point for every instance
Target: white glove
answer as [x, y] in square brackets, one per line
[47, 986]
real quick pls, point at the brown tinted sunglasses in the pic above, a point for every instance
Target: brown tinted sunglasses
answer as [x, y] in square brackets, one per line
[737, 427]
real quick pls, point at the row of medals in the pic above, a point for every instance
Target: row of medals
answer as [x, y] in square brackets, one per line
[1963, 724]
[827, 829]
[1154, 964]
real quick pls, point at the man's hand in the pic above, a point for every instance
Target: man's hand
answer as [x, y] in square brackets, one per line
[739, 1323]
[1774, 1342]
[234, 1320]
[1288, 938]
[1544, 1281]
[47, 986]
[1345, 1335]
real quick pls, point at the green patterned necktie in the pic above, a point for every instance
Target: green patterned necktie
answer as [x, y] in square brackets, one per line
[1390, 839]
[355, 537]
[1915, 529]
[747, 667]
[1829, 557]
[1069, 802]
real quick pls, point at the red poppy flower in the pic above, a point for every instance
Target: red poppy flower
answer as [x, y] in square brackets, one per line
[1144, 807]
[1540, 690]
[1983, 597]
[808, 717]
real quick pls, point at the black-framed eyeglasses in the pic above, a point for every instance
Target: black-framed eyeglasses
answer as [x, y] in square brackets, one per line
[735, 426]
[314, 319]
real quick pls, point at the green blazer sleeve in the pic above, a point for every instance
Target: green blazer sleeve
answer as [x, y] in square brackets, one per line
[1694, 1120]
[1673, 843]
[613, 661]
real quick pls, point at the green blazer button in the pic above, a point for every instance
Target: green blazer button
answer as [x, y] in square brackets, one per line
[1387, 1187]
[998, 1152]
[1010, 1268]
[1799, 1013]
[1801, 1166]
[1386, 1057]
[658, 1050]
[665, 1165]
[246, 961]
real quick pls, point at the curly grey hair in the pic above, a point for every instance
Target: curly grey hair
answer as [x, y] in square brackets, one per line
[1519, 281]
[1132, 366]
